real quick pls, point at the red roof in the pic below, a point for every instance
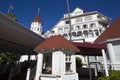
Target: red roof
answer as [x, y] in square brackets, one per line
[113, 31]
[37, 19]
[56, 42]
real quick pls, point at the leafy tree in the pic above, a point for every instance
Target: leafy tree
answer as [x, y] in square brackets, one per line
[7, 57]
[78, 62]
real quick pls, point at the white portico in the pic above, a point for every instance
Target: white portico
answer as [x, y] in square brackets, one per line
[56, 60]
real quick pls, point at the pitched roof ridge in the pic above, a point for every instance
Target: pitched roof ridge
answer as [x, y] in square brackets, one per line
[56, 42]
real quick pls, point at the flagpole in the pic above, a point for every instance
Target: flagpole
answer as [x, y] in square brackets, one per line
[68, 8]
[38, 10]
[9, 9]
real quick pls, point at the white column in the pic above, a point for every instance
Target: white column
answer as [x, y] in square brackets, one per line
[39, 66]
[73, 65]
[105, 62]
[62, 64]
[28, 74]
[111, 53]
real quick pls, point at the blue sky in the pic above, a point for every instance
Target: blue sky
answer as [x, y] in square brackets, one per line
[51, 11]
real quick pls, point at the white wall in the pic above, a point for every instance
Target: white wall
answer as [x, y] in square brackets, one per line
[116, 47]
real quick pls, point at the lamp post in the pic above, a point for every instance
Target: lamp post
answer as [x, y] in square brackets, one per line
[68, 9]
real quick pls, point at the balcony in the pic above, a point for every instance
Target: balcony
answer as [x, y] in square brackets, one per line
[104, 21]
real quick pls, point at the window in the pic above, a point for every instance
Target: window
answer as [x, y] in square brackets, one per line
[85, 33]
[32, 28]
[67, 22]
[47, 64]
[74, 34]
[68, 63]
[77, 27]
[52, 32]
[92, 25]
[60, 29]
[96, 32]
[37, 29]
[66, 29]
[90, 33]
[79, 33]
[88, 18]
[79, 19]
[84, 26]
[65, 35]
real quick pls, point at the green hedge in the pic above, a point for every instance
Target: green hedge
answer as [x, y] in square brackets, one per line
[113, 75]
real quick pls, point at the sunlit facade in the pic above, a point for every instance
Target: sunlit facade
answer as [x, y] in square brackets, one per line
[85, 26]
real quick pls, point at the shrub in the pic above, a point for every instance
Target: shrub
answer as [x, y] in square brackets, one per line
[113, 75]
[78, 62]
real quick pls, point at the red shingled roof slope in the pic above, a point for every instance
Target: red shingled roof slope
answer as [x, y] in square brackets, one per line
[56, 42]
[113, 31]
[37, 19]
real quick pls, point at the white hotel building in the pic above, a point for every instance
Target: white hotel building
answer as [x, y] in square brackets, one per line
[85, 26]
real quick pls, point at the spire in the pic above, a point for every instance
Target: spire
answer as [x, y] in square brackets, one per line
[37, 17]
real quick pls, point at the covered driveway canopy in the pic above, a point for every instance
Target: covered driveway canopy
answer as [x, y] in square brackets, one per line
[16, 38]
[90, 49]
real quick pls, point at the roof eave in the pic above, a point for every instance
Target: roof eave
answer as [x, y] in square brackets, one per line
[55, 49]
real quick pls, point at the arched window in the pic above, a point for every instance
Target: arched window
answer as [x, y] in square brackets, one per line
[96, 32]
[92, 25]
[74, 34]
[79, 33]
[84, 26]
[65, 35]
[90, 33]
[77, 27]
[85, 33]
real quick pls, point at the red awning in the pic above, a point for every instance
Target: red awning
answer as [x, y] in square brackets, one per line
[90, 49]
[90, 45]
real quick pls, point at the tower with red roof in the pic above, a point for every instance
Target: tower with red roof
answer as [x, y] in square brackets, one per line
[36, 25]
